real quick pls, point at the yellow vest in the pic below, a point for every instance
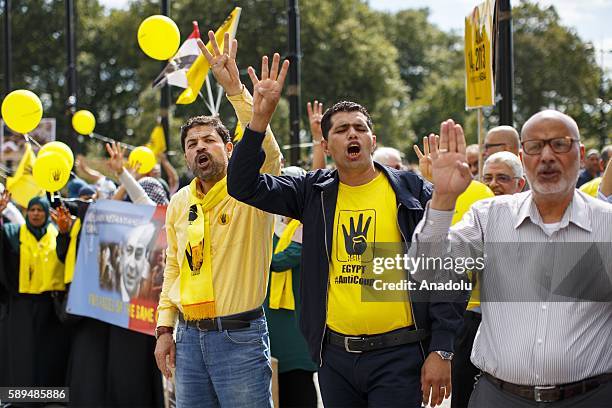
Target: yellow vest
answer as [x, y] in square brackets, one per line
[39, 268]
[71, 254]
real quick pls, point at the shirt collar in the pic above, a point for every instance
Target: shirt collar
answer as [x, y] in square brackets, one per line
[578, 212]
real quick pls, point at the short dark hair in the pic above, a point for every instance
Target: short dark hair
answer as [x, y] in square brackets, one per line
[343, 106]
[202, 120]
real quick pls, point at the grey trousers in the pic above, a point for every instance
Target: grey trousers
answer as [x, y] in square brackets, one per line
[487, 395]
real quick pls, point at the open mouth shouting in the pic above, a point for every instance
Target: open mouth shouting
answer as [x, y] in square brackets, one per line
[353, 151]
[203, 160]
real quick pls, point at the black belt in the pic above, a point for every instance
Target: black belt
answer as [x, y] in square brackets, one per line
[551, 393]
[231, 322]
[359, 344]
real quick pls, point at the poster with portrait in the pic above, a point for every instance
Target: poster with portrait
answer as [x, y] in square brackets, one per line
[120, 265]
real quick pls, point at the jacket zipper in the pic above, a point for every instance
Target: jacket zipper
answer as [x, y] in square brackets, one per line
[408, 292]
[327, 287]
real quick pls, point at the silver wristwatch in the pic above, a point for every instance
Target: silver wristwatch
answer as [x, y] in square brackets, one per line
[445, 355]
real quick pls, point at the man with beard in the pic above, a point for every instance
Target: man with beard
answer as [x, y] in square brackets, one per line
[382, 352]
[218, 256]
[540, 340]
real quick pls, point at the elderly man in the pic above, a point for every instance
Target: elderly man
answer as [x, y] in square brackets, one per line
[592, 168]
[501, 139]
[133, 262]
[389, 157]
[554, 346]
[472, 152]
[503, 173]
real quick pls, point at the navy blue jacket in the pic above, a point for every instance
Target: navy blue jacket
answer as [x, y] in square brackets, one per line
[312, 200]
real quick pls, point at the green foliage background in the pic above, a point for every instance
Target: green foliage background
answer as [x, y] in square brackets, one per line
[406, 71]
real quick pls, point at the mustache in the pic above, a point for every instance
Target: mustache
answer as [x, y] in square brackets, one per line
[200, 155]
[545, 167]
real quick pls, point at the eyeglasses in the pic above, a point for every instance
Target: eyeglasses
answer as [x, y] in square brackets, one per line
[501, 178]
[558, 145]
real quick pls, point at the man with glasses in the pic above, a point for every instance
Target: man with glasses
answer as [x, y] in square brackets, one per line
[501, 139]
[540, 339]
[503, 173]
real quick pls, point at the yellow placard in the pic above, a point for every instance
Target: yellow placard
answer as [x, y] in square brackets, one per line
[479, 84]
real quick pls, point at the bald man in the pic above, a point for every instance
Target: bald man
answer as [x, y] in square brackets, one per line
[540, 339]
[501, 139]
[472, 152]
[389, 157]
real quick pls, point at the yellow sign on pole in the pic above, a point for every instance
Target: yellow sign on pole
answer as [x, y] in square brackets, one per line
[479, 84]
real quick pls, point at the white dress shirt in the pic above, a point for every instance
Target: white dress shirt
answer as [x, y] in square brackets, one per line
[529, 335]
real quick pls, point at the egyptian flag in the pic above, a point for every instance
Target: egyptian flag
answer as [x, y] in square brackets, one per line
[175, 73]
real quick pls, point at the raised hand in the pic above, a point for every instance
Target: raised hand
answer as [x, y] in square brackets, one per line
[450, 171]
[425, 157]
[223, 64]
[266, 91]
[315, 114]
[5, 198]
[115, 160]
[62, 218]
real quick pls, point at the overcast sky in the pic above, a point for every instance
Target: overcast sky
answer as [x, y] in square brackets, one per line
[590, 18]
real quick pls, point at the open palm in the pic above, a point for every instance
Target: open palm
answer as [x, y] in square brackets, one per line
[450, 171]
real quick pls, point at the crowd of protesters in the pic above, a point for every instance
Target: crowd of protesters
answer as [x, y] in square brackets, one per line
[265, 261]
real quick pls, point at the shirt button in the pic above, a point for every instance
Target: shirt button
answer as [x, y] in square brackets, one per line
[539, 341]
[543, 307]
[537, 377]
[430, 222]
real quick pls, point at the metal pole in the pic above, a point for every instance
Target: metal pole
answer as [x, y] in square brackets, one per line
[7, 48]
[164, 100]
[480, 142]
[71, 77]
[505, 63]
[293, 88]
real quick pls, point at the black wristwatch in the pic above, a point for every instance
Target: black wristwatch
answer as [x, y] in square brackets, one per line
[445, 355]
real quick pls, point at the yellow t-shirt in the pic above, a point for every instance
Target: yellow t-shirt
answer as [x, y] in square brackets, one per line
[365, 215]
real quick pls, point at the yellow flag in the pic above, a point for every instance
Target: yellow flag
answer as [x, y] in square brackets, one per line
[199, 70]
[238, 132]
[157, 140]
[479, 84]
[22, 185]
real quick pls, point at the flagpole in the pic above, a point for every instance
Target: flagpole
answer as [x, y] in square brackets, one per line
[7, 47]
[205, 101]
[210, 95]
[219, 95]
[164, 100]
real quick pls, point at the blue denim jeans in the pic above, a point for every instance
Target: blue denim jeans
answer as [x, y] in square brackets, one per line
[229, 368]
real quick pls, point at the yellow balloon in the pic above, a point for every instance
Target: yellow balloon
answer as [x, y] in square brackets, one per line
[60, 148]
[144, 157]
[159, 37]
[51, 171]
[22, 110]
[476, 191]
[84, 122]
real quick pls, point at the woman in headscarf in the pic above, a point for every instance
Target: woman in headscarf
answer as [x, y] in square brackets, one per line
[31, 273]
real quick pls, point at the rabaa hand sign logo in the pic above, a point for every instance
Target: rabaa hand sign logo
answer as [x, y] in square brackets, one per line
[358, 228]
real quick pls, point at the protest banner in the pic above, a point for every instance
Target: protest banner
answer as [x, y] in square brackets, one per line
[120, 265]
